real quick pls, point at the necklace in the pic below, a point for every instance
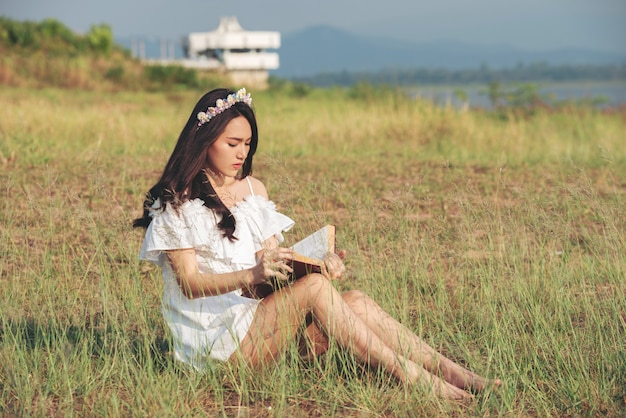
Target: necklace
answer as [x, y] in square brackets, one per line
[218, 179]
[222, 190]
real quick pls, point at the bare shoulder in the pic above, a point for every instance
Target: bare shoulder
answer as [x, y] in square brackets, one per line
[258, 187]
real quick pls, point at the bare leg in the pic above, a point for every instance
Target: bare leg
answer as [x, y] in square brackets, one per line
[279, 316]
[402, 340]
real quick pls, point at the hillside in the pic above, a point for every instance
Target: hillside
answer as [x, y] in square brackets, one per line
[324, 49]
[48, 54]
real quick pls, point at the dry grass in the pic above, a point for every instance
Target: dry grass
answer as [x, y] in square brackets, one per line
[499, 240]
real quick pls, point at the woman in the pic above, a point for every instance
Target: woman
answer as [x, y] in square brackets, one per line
[215, 234]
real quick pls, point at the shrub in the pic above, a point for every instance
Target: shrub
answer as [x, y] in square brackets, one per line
[171, 75]
[115, 73]
[100, 39]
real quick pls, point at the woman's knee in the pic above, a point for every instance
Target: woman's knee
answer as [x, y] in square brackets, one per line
[314, 281]
[308, 288]
[352, 296]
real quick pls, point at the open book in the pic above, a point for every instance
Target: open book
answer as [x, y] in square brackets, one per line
[308, 254]
[308, 257]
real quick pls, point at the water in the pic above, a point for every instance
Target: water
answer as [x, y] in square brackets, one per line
[614, 93]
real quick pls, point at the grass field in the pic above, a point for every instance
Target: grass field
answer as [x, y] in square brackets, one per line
[499, 239]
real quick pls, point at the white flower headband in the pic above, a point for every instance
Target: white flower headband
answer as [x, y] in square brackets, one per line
[223, 104]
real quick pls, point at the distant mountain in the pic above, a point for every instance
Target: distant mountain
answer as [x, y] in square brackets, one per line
[323, 49]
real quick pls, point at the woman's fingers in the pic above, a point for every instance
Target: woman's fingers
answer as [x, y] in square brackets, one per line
[334, 266]
[275, 263]
[279, 253]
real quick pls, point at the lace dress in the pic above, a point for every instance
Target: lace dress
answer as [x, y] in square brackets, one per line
[212, 326]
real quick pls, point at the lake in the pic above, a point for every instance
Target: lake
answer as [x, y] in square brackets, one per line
[614, 93]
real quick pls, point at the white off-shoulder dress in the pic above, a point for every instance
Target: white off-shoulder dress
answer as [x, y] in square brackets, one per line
[212, 326]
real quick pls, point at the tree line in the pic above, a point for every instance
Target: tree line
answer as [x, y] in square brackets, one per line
[54, 37]
[87, 61]
[522, 73]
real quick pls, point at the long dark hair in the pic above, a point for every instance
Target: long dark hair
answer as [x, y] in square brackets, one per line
[184, 171]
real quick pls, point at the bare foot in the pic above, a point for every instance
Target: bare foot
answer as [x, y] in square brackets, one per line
[465, 379]
[445, 390]
[477, 383]
[441, 388]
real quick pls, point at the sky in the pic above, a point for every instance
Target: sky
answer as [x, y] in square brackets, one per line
[527, 24]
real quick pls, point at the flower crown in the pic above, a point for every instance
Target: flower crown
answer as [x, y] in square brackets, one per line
[223, 104]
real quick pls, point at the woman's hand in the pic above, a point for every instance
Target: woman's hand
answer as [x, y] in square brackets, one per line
[333, 265]
[273, 263]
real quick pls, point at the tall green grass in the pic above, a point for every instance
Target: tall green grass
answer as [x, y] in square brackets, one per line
[498, 238]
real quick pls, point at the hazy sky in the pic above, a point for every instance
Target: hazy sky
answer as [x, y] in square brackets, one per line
[530, 24]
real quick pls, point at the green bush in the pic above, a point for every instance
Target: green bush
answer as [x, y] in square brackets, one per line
[115, 73]
[50, 35]
[171, 75]
[52, 29]
[21, 34]
[100, 39]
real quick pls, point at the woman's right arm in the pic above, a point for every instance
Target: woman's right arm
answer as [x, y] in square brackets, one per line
[195, 284]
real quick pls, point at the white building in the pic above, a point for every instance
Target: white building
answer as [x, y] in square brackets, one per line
[241, 54]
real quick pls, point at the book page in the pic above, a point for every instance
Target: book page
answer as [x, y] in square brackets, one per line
[317, 244]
